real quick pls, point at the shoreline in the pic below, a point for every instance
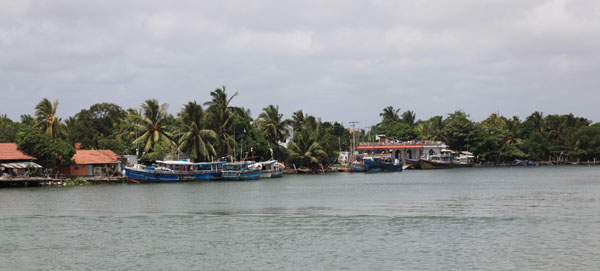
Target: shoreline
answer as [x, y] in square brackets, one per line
[47, 181]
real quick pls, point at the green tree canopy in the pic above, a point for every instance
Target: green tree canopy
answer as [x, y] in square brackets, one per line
[8, 129]
[50, 152]
[46, 118]
[154, 129]
[460, 133]
[195, 139]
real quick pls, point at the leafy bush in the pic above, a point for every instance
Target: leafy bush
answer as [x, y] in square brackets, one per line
[77, 181]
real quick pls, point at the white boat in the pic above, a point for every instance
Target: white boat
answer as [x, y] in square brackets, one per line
[270, 169]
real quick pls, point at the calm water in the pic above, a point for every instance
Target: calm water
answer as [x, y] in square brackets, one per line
[460, 219]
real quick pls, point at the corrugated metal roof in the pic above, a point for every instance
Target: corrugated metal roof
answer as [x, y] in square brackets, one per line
[20, 165]
[388, 147]
[89, 157]
[9, 151]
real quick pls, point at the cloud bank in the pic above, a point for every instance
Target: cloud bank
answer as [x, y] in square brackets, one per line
[341, 60]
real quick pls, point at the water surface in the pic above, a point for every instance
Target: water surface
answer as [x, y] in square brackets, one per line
[545, 218]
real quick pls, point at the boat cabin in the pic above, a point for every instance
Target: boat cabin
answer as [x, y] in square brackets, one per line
[185, 166]
[237, 166]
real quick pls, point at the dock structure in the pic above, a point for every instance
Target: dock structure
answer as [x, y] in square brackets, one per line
[45, 181]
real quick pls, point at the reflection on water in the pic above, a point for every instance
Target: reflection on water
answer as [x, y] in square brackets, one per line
[498, 219]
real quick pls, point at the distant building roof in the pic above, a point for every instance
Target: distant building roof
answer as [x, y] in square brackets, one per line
[9, 151]
[389, 146]
[89, 157]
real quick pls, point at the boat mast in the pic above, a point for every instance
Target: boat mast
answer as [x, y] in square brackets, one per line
[353, 123]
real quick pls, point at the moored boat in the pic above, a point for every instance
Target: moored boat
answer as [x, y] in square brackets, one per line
[271, 169]
[358, 167]
[240, 171]
[174, 171]
[383, 164]
[435, 162]
[412, 163]
[465, 159]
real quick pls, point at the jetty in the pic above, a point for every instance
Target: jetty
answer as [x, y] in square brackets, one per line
[47, 181]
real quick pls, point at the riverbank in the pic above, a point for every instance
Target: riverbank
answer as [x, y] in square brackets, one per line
[43, 181]
[47, 181]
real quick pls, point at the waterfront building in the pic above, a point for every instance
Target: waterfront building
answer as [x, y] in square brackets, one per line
[384, 146]
[104, 163]
[13, 161]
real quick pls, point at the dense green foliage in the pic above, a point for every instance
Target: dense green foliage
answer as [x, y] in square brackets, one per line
[50, 152]
[497, 138]
[8, 129]
[96, 127]
[77, 181]
[219, 130]
[195, 140]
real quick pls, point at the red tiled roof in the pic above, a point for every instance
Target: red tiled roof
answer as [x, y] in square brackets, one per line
[388, 147]
[88, 157]
[9, 151]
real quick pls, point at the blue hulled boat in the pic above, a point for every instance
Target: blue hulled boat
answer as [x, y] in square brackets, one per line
[240, 171]
[174, 171]
[383, 164]
[358, 167]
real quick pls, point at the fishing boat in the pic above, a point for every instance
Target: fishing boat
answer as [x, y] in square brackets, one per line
[271, 169]
[464, 159]
[358, 167]
[241, 171]
[381, 164]
[174, 171]
[436, 162]
[412, 163]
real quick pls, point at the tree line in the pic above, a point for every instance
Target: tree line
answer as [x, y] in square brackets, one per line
[500, 139]
[217, 130]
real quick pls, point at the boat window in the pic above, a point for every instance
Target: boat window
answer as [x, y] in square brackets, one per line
[231, 167]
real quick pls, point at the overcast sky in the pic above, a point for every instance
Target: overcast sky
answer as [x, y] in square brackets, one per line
[340, 60]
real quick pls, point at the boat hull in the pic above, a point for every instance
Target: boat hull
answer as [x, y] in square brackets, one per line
[462, 164]
[430, 164]
[411, 163]
[271, 174]
[143, 176]
[242, 175]
[356, 167]
[376, 166]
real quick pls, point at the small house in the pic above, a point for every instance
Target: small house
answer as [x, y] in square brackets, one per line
[14, 162]
[101, 163]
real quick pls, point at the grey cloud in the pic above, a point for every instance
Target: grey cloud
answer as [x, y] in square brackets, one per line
[341, 60]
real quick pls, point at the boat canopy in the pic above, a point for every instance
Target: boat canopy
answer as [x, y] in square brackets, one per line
[186, 163]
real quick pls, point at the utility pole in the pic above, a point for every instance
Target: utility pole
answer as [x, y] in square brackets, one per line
[353, 123]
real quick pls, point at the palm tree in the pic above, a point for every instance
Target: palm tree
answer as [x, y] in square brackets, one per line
[390, 114]
[221, 116]
[513, 130]
[27, 120]
[432, 129]
[153, 129]
[537, 120]
[46, 119]
[409, 117]
[272, 125]
[297, 120]
[195, 140]
[495, 120]
[305, 148]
